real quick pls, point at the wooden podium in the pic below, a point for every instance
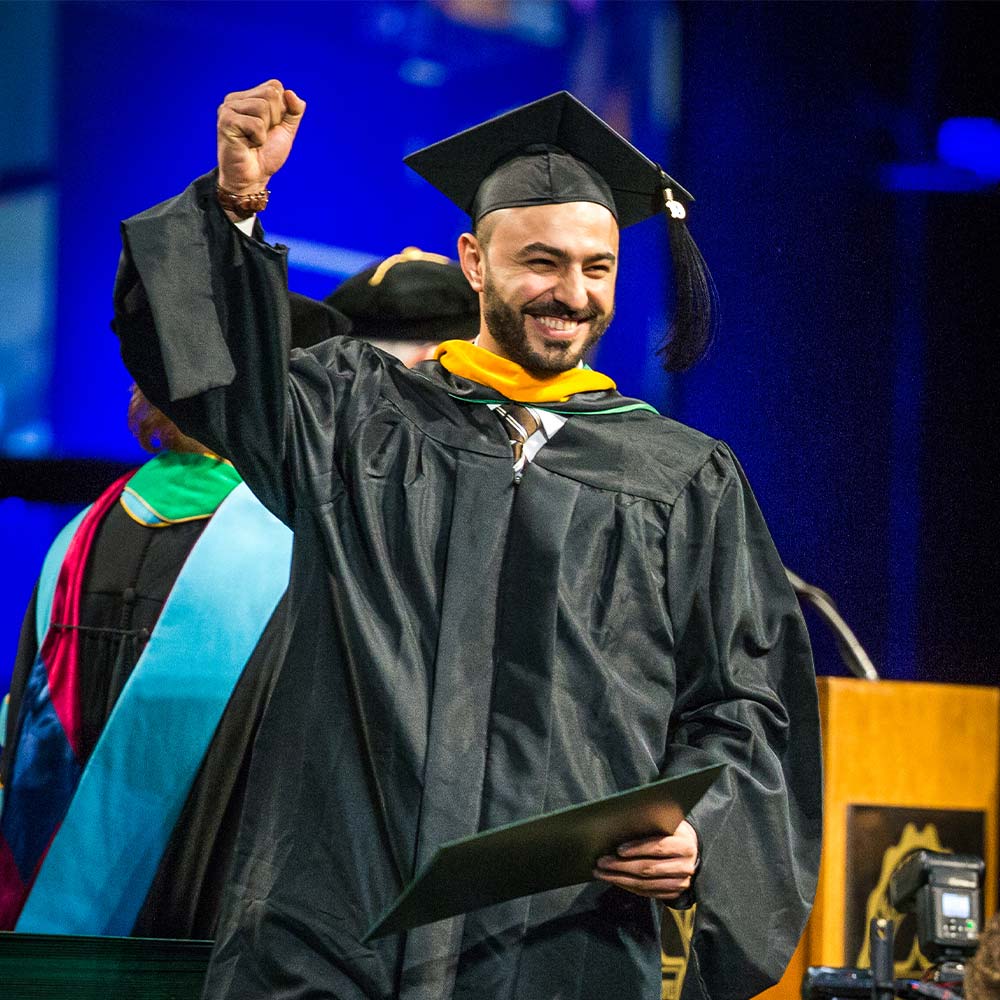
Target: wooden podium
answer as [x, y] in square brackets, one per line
[906, 765]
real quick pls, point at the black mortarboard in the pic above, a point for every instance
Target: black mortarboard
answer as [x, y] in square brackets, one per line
[556, 150]
[550, 151]
[314, 321]
[410, 296]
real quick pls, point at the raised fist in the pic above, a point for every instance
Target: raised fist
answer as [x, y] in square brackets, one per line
[256, 129]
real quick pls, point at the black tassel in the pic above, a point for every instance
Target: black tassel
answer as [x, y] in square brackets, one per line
[695, 303]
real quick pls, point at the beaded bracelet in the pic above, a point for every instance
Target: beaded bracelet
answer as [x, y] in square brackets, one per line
[242, 205]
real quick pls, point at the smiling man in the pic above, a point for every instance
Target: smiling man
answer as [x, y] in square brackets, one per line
[513, 589]
[547, 278]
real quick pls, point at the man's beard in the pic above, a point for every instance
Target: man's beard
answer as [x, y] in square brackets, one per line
[507, 326]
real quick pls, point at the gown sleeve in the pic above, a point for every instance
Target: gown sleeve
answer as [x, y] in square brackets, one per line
[746, 696]
[202, 314]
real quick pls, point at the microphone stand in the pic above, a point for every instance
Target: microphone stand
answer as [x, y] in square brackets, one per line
[881, 940]
[851, 651]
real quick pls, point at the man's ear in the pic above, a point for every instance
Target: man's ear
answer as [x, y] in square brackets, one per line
[470, 256]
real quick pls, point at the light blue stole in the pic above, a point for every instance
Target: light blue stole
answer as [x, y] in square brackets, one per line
[98, 870]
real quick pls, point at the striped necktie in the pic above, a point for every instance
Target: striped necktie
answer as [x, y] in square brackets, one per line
[519, 423]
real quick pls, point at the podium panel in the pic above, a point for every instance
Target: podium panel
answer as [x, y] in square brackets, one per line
[907, 765]
[57, 967]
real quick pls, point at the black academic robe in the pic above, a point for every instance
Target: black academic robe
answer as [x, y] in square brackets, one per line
[130, 571]
[466, 652]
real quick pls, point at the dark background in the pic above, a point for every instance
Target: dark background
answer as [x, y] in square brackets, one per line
[855, 367]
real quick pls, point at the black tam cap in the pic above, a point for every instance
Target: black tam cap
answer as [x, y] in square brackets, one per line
[410, 296]
[314, 321]
[556, 150]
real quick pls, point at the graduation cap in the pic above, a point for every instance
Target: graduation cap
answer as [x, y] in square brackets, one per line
[314, 321]
[556, 150]
[410, 296]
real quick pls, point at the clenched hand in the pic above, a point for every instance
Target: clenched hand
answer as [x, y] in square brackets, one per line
[256, 129]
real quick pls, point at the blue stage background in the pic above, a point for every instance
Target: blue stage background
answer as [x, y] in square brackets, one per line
[863, 422]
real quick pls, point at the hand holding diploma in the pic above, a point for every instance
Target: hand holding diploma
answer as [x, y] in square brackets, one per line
[659, 867]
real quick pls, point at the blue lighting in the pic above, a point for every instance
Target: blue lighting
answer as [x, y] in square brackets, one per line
[968, 159]
[971, 144]
[929, 177]
[323, 258]
[423, 73]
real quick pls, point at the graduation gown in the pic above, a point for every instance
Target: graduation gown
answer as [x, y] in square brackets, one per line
[466, 652]
[130, 572]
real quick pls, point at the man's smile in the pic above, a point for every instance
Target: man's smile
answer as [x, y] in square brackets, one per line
[556, 328]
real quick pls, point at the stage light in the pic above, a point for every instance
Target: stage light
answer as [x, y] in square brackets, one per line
[971, 144]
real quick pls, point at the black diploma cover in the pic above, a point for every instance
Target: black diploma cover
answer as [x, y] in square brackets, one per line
[546, 852]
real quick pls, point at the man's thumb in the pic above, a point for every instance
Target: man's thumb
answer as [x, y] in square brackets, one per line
[295, 108]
